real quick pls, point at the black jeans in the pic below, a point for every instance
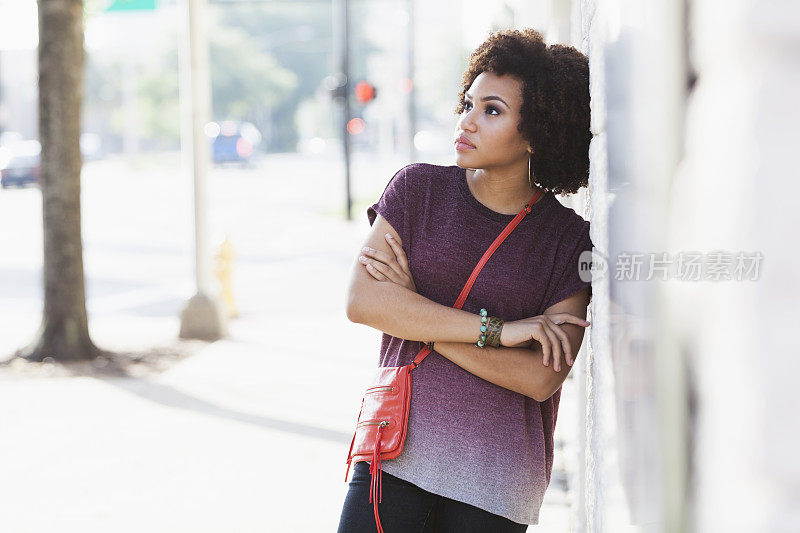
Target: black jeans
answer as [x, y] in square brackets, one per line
[406, 508]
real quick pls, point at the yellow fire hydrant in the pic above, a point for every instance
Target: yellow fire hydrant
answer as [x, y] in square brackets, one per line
[223, 269]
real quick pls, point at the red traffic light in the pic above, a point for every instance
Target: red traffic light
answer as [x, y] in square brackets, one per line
[365, 92]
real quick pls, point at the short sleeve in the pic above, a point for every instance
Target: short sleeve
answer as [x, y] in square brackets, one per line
[572, 271]
[392, 205]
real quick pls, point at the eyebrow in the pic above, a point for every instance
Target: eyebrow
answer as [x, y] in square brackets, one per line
[491, 97]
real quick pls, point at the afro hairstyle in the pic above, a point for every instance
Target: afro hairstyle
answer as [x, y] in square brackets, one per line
[555, 109]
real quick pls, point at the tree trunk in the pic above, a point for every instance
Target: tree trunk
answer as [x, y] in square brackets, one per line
[64, 331]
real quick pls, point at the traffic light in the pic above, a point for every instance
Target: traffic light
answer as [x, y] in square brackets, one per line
[365, 92]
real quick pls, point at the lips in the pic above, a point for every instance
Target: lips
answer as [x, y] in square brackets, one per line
[463, 143]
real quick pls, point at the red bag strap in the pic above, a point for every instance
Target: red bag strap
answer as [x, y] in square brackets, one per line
[423, 353]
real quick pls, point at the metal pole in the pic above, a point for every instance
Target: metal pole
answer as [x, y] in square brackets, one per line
[201, 318]
[343, 11]
[201, 97]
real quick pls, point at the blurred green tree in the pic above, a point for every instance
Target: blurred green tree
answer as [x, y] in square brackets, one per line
[247, 83]
[300, 36]
[266, 60]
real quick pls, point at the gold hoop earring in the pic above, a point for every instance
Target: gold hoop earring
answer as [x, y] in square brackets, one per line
[529, 171]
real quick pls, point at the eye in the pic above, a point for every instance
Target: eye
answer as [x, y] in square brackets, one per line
[465, 103]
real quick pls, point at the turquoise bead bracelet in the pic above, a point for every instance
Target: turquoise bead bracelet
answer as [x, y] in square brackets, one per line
[484, 318]
[491, 327]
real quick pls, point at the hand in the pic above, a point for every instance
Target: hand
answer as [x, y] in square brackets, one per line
[389, 267]
[545, 330]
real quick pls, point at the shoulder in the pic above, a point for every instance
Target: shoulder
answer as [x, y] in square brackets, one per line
[417, 172]
[419, 179]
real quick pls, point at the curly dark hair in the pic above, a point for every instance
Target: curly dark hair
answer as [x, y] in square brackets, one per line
[555, 102]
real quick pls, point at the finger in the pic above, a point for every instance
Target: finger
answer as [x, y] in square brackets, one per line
[561, 318]
[564, 339]
[555, 344]
[375, 273]
[399, 253]
[541, 336]
[382, 268]
[369, 265]
[383, 257]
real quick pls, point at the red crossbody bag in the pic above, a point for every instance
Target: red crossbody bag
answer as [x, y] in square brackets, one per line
[383, 418]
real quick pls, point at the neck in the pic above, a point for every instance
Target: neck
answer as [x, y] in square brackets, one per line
[503, 190]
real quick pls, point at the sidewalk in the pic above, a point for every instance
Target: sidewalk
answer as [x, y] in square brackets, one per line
[210, 445]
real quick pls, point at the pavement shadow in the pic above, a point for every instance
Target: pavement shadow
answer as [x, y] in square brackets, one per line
[172, 397]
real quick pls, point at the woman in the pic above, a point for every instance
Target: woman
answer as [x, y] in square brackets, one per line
[479, 449]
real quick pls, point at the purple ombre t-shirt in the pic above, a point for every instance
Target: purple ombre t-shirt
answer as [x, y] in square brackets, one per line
[468, 439]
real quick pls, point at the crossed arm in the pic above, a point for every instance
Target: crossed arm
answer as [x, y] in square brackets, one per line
[397, 309]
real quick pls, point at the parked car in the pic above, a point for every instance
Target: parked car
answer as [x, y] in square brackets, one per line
[232, 141]
[20, 160]
[20, 164]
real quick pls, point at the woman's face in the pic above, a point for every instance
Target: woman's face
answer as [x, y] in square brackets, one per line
[490, 126]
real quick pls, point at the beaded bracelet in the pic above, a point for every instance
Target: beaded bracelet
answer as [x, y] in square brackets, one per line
[484, 320]
[490, 330]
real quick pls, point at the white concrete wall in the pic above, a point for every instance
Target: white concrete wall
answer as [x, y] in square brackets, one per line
[737, 191]
[634, 406]
[690, 386]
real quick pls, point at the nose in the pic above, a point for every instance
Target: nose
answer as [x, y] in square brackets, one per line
[466, 122]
